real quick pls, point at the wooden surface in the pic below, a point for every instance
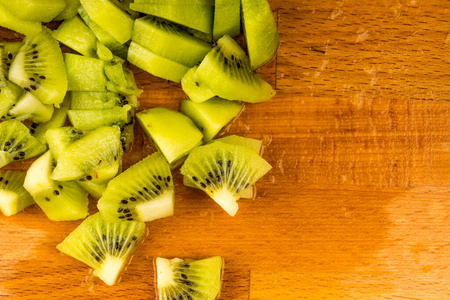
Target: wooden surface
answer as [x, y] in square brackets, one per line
[357, 204]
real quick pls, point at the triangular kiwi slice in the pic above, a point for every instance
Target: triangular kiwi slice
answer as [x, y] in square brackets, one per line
[224, 171]
[194, 88]
[144, 192]
[39, 68]
[16, 143]
[10, 21]
[104, 246]
[226, 71]
[13, 196]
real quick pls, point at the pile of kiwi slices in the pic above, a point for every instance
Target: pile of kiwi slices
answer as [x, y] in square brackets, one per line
[75, 112]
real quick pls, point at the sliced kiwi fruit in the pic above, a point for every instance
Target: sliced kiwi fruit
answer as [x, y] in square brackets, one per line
[99, 100]
[92, 119]
[104, 246]
[13, 196]
[94, 189]
[227, 72]
[39, 68]
[261, 32]
[159, 36]
[16, 143]
[194, 88]
[121, 79]
[8, 51]
[69, 11]
[173, 133]
[75, 34]
[60, 201]
[31, 108]
[10, 93]
[227, 18]
[224, 171]
[59, 139]
[188, 279]
[212, 115]
[85, 73]
[34, 10]
[10, 21]
[110, 18]
[155, 64]
[144, 192]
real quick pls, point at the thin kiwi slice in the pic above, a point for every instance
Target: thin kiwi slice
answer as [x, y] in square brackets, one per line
[212, 115]
[224, 171]
[226, 71]
[39, 68]
[34, 10]
[31, 108]
[69, 11]
[188, 278]
[85, 73]
[144, 192]
[10, 21]
[100, 100]
[60, 201]
[261, 32]
[16, 143]
[92, 119]
[173, 133]
[227, 18]
[13, 196]
[104, 246]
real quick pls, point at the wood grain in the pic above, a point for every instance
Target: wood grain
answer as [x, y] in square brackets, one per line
[357, 204]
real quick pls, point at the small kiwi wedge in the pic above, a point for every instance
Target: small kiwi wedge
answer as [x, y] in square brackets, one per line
[16, 143]
[8, 51]
[34, 10]
[224, 171]
[261, 32]
[10, 21]
[101, 100]
[39, 68]
[60, 201]
[144, 192]
[121, 79]
[29, 107]
[227, 18]
[69, 11]
[194, 88]
[10, 93]
[189, 279]
[59, 139]
[226, 71]
[104, 246]
[85, 74]
[13, 196]
[92, 119]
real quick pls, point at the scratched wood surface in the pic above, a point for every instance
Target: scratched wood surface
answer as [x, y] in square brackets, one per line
[357, 204]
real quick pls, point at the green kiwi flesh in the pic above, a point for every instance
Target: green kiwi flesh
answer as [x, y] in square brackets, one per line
[8, 51]
[101, 100]
[227, 18]
[10, 21]
[85, 74]
[159, 36]
[60, 201]
[224, 171]
[189, 279]
[212, 115]
[125, 6]
[105, 246]
[92, 119]
[194, 88]
[173, 133]
[31, 108]
[110, 18]
[16, 143]
[13, 196]
[34, 10]
[226, 71]
[39, 68]
[94, 189]
[176, 2]
[155, 64]
[144, 192]
[58, 139]
[10, 93]
[261, 32]
[121, 79]
[69, 11]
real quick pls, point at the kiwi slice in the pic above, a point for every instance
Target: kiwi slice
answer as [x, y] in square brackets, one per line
[224, 171]
[101, 100]
[30, 107]
[10, 21]
[75, 34]
[10, 93]
[13, 196]
[110, 17]
[8, 51]
[59, 139]
[39, 68]
[194, 88]
[16, 143]
[94, 189]
[227, 18]
[104, 246]
[34, 10]
[188, 278]
[227, 72]
[69, 11]
[261, 32]
[173, 133]
[60, 201]
[144, 192]
[92, 119]
[159, 36]
[121, 79]
[155, 64]
[212, 115]
[85, 73]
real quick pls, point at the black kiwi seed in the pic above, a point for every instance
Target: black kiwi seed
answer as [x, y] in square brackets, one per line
[159, 177]
[120, 210]
[141, 193]
[16, 158]
[211, 175]
[1, 179]
[56, 193]
[74, 131]
[8, 143]
[128, 215]
[132, 199]
[219, 162]
[238, 190]
[168, 178]
[34, 46]
[229, 163]
[104, 237]
[60, 187]
[130, 219]
[158, 187]
[47, 198]
[207, 181]
[202, 185]
[134, 238]
[246, 185]
[194, 178]
[197, 84]
[126, 210]
[10, 56]
[218, 178]
[34, 125]
[89, 177]
[145, 189]
[32, 79]
[27, 89]
[6, 182]
[124, 201]
[184, 276]
[121, 217]
[33, 87]
[115, 157]
[42, 77]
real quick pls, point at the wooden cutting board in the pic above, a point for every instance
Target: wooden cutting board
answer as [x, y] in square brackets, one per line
[357, 205]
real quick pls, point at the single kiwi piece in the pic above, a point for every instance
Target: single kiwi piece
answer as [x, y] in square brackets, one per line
[58, 139]
[16, 143]
[85, 74]
[194, 88]
[94, 189]
[69, 11]
[261, 32]
[11, 21]
[105, 246]
[13, 196]
[34, 10]
[227, 72]
[224, 171]
[121, 79]
[39, 68]
[29, 107]
[92, 119]
[144, 192]
[155, 64]
[8, 51]
[173, 133]
[189, 279]
[10, 93]
[212, 115]
[227, 18]
[60, 201]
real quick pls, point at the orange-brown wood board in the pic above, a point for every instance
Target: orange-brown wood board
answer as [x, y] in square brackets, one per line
[357, 205]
